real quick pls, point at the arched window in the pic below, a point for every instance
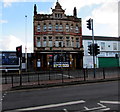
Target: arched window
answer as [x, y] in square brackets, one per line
[67, 27]
[50, 27]
[56, 27]
[61, 27]
[71, 28]
[44, 27]
[77, 29]
[77, 43]
[38, 42]
[38, 28]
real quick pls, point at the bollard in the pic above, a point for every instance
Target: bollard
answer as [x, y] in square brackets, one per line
[28, 77]
[49, 73]
[84, 74]
[68, 73]
[20, 79]
[38, 79]
[12, 79]
[103, 73]
[6, 76]
[62, 76]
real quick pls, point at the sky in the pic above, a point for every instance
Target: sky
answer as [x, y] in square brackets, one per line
[16, 19]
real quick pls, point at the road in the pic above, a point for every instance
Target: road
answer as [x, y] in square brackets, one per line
[84, 97]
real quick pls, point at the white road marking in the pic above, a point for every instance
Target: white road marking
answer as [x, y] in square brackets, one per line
[106, 109]
[65, 110]
[47, 106]
[96, 108]
[66, 75]
[86, 108]
[101, 105]
[110, 102]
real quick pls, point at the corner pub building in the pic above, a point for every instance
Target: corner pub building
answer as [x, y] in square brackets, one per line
[57, 40]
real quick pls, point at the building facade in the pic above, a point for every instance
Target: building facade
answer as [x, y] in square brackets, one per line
[57, 39]
[109, 52]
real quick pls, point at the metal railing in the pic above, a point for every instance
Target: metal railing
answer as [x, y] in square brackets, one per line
[58, 76]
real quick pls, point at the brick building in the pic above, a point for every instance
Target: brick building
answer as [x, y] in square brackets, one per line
[57, 39]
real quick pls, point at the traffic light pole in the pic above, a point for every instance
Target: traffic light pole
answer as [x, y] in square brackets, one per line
[90, 27]
[20, 71]
[93, 49]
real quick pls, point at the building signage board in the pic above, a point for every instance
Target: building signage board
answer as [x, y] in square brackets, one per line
[61, 64]
[9, 61]
[9, 58]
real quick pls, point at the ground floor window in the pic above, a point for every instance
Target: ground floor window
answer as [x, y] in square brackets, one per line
[59, 60]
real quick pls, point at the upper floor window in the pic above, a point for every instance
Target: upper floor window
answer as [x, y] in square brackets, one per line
[60, 43]
[72, 43]
[38, 42]
[77, 39]
[50, 43]
[44, 38]
[68, 38]
[114, 46]
[77, 44]
[102, 45]
[72, 38]
[58, 38]
[50, 38]
[56, 27]
[38, 28]
[67, 28]
[67, 43]
[55, 15]
[44, 27]
[71, 28]
[61, 27]
[44, 43]
[50, 27]
[58, 15]
[56, 43]
[77, 29]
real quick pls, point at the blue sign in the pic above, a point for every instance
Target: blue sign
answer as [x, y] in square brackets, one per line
[9, 58]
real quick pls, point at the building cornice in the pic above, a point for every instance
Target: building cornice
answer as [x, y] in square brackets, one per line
[104, 38]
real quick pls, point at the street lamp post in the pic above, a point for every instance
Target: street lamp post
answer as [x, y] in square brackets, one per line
[26, 41]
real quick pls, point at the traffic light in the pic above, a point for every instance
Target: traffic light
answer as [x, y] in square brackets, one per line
[96, 49]
[19, 51]
[90, 49]
[89, 25]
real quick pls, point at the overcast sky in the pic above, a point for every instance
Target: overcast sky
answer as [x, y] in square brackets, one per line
[15, 28]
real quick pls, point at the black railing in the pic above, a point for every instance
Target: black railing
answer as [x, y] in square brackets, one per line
[58, 76]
